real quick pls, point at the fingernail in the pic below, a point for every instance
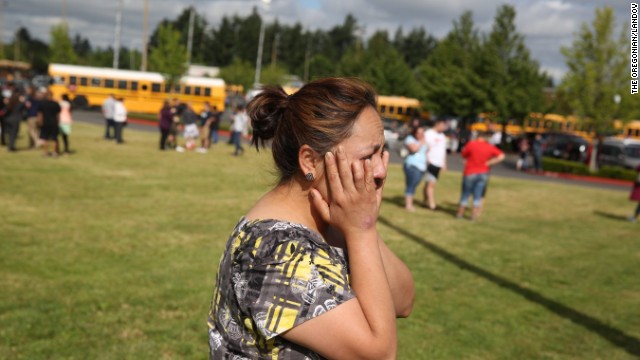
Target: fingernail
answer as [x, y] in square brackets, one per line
[328, 155]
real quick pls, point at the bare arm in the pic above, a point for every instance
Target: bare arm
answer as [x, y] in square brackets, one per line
[495, 160]
[400, 280]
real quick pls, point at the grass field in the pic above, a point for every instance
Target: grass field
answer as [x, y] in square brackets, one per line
[111, 253]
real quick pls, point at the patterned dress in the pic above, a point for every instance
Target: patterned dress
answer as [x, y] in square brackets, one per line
[273, 276]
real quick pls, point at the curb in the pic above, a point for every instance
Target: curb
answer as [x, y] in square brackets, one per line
[591, 179]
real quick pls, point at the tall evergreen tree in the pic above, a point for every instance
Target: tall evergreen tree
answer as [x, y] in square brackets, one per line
[449, 76]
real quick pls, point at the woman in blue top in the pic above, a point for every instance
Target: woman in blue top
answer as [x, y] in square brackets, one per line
[415, 164]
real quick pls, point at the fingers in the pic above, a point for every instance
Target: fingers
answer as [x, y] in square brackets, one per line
[369, 181]
[344, 169]
[335, 186]
[358, 175]
[320, 205]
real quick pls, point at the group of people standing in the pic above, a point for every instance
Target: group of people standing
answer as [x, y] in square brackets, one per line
[427, 157]
[115, 116]
[46, 119]
[199, 130]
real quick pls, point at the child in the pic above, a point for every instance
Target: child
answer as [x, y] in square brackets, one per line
[635, 196]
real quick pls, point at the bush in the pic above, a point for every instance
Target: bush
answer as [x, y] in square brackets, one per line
[577, 168]
[564, 166]
[617, 173]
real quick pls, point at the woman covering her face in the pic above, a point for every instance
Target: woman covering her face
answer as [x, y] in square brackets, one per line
[305, 273]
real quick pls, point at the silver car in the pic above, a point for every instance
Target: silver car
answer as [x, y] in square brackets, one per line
[619, 152]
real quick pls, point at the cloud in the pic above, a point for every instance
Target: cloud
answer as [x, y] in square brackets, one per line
[546, 24]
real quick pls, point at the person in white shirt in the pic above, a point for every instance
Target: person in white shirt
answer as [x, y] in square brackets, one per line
[240, 126]
[107, 111]
[436, 159]
[119, 118]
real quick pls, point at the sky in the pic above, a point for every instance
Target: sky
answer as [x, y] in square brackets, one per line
[546, 24]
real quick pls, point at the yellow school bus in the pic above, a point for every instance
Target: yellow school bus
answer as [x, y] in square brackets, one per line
[631, 129]
[142, 92]
[399, 108]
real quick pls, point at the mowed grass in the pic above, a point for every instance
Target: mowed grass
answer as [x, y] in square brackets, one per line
[111, 253]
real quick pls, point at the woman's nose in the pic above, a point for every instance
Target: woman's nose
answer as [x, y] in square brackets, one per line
[379, 170]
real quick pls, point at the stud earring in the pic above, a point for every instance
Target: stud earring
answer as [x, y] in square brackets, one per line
[309, 177]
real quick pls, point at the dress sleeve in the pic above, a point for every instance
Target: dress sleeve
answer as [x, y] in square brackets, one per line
[291, 281]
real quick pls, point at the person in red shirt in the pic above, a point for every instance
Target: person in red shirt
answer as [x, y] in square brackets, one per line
[480, 155]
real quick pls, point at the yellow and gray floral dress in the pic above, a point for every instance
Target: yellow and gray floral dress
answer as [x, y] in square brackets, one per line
[273, 276]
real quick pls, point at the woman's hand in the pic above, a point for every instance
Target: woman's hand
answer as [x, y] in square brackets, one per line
[354, 199]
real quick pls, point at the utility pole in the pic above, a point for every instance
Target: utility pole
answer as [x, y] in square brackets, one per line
[256, 80]
[16, 45]
[145, 36]
[190, 38]
[2, 3]
[274, 51]
[116, 40]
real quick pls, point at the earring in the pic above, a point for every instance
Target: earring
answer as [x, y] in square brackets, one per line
[309, 177]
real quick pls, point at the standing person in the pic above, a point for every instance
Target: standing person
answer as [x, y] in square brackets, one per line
[107, 111]
[164, 123]
[415, 164]
[523, 149]
[65, 121]
[307, 259]
[119, 118]
[16, 112]
[33, 103]
[190, 123]
[176, 111]
[480, 155]
[436, 160]
[537, 148]
[216, 117]
[240, 123]
[635, 196]
[204, 125]
[48, 119]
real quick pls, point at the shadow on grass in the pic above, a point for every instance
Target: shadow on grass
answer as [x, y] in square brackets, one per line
[610, 216]
[616, 337]
[447, 208]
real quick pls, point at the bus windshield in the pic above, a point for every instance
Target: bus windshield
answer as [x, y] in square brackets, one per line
[633, 151]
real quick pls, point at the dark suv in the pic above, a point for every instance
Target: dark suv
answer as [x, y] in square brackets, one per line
[565, 146]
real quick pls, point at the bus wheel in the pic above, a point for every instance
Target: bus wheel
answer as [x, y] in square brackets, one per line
[80, 102]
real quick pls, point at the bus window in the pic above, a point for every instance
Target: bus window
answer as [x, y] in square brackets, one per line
[167, 88]
[96, 82]
[391, 108]
[84, 81]
[108, 83]
[197, 91]
[207, 91]
[177, 89]
[548, 124]
[187, 90]
[155, 87]
[399, 111]
[383, 108]
[58, 79]
[73, 80]
[122, 84]
[134, 85]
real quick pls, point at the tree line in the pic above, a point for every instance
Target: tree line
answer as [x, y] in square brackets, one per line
[463, 74]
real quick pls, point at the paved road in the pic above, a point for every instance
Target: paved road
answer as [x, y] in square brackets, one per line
[505, 169]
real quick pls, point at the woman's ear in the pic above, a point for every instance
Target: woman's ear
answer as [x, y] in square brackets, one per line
[309, 162]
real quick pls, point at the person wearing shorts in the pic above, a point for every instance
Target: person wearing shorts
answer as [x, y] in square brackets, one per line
[436, 160]
[49, 119]
[415, 164]
[480, 155]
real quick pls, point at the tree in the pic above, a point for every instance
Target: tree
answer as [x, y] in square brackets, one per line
[514, 82]
[415, 47]
[181, 24]
[61, 48]
[450, 77]
[169, 55]
[239, 72]
[598, 63]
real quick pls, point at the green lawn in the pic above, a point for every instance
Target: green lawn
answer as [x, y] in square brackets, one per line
[111, 253]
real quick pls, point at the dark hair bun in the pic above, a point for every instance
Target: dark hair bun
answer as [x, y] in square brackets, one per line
[266, 111]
